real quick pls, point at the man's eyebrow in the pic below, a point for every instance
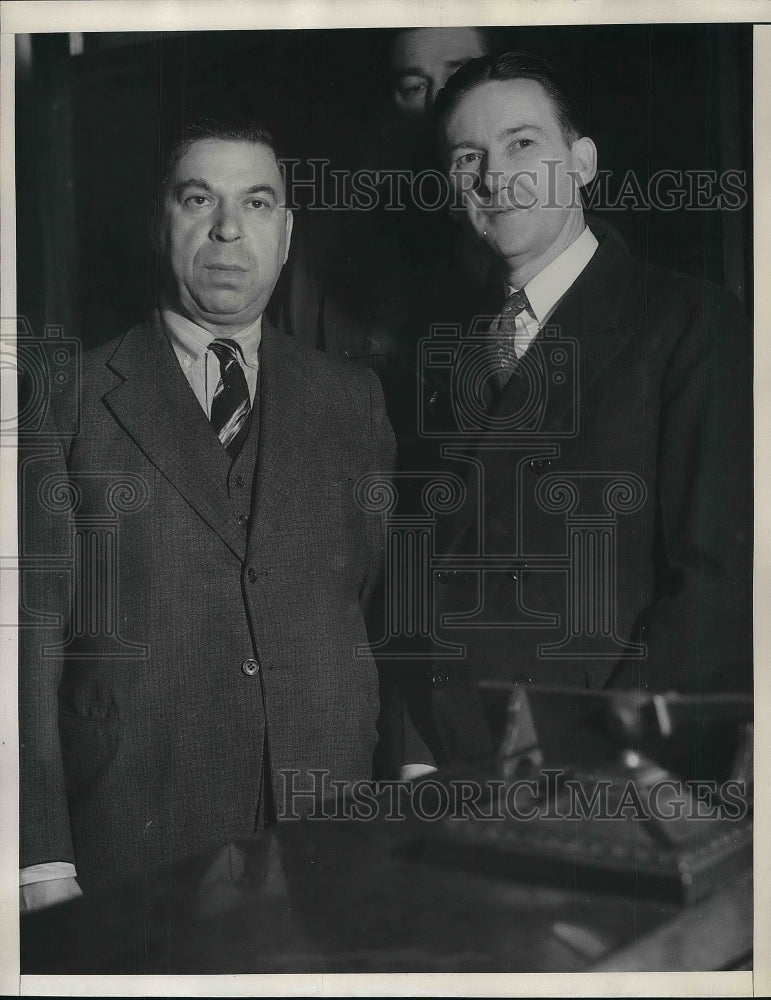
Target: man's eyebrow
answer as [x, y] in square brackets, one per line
[195, 182]
[419, 71]
[464, 144]
[199, 182]
[410, 71]
[504, 133]
[262, 189]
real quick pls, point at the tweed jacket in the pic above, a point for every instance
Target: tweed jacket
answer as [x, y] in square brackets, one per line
[193, 632]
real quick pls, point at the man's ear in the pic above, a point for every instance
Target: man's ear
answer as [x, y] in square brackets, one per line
[584, 159]
[289, 226]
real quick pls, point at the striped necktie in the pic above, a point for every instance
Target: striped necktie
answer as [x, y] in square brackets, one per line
[502, 334]
[230, 407]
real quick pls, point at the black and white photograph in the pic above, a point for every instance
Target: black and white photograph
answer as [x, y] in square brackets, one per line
[382, 462]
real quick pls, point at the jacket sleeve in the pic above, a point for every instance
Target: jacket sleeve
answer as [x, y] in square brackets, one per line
[45, 593]
[380, 460]
[405, 708]
[698, 631]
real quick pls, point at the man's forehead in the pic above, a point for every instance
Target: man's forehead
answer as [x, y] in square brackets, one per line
[495, 106]
[425, 46]
[226, 161]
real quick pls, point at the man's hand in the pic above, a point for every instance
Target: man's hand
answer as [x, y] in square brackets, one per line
[39, 895]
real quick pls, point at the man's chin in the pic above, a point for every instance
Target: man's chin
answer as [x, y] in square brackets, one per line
[503, 245]
[226, 304]
[212, 311]
[501, 229]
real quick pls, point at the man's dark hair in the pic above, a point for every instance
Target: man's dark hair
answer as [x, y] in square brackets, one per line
[210, 128]
[511, 66]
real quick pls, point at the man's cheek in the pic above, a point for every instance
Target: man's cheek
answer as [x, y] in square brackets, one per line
[477, 219]
[464, 189]
[474, 207]
[523, 191]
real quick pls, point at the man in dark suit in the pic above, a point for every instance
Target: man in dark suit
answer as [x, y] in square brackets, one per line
[598, 411]
[207, 631]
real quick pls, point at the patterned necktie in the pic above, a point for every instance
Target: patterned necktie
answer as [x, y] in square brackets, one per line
[502, 337]
[230, 407]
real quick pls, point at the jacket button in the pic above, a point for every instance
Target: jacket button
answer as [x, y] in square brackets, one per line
[251, 574]
[250, 667]
[440, 679]
[539, 465]
[243, 520]
[521, 679]
[239, 481]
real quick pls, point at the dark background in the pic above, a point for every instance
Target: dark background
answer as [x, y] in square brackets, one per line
[90, 128]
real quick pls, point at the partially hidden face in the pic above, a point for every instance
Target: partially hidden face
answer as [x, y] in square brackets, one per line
[517, 174]
[224, 232]
[423, 59]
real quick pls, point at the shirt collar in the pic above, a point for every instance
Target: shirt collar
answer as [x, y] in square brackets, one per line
[194, 340]
[548, 286]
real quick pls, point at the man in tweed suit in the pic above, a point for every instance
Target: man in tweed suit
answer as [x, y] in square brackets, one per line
[229, 456]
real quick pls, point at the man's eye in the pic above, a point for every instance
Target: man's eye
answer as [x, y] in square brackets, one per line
[196, 201]
[412, 89]
[258, 203]
[521, 144]
[466, 160]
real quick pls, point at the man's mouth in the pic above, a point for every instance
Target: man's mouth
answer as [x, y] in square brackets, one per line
[226, 267]
[497, 210]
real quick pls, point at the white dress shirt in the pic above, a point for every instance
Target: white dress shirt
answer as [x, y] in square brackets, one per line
[548, 286]
[200, 365]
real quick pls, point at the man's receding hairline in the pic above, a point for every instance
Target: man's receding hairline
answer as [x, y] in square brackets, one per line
[516, 79]
[186, 144]
[570, 132]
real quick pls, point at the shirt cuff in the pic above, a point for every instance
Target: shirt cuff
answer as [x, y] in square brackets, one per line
[46, 872]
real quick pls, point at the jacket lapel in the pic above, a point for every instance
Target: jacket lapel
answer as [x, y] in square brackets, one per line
[157, 408]
[290, 421]
[591, 319]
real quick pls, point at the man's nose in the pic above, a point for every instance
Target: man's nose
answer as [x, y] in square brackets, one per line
[492, 177]
[485, 177]
[227, 224]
